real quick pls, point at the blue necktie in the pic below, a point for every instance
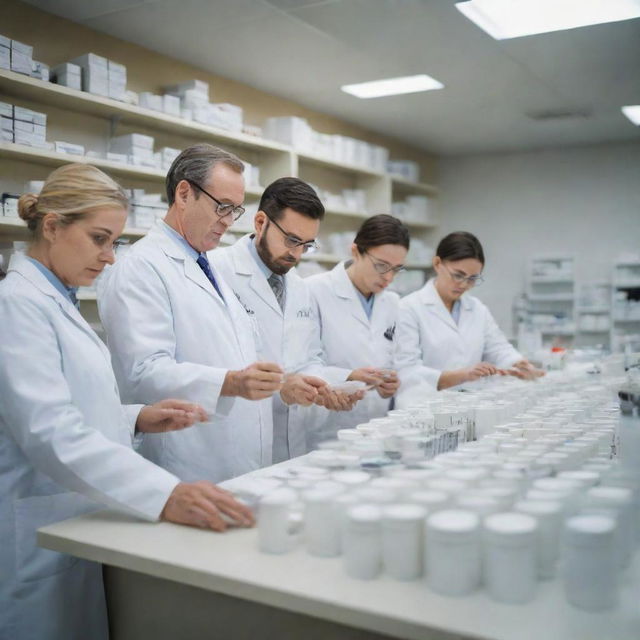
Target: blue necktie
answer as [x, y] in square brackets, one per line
[203, 263]
[74, 298]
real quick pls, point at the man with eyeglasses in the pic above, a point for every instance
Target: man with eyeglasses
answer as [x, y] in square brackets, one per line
[176, 329]
[259, 269]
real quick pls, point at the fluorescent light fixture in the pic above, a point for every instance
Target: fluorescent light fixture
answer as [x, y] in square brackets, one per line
[392, 86]
[633, 113]
[503, 19]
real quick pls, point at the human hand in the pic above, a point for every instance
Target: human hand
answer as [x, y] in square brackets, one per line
[372, 376]
[390, 384]
[257, 381]
[169, 415]
[300, 389]
[479, 370]
[202, 504]
[524, 370]
[334, 400]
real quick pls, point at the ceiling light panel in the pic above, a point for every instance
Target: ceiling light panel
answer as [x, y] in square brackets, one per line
[633, 113]
[503, 19]
[392, 86]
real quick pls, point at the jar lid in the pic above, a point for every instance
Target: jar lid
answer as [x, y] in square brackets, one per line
[615, 496]
[587, 478]
[447, 485]
[402, 515]
[466, 474]
[322, 495]
[364, 516]
[590, 530]
[453, 525]
[539, 507]
[281, 496]
[482, 505]
[557, 484]
[350, 477]
[429, 497]
[348, 434]
[375, 495]
[510, 528]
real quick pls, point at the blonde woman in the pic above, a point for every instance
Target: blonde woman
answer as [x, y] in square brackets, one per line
[65, 438]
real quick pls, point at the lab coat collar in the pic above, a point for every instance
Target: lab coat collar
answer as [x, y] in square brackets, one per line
[20, 264]
[244, 264]
[345, 289]
[191, 268]
[432, 299]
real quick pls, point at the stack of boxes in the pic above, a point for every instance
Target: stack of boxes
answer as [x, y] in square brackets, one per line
[165, 157]
[17, 56]
[146, 208]
[67, 74]
[23, 126]
[413, 209]
[297, 133]
[94, 74]
[134, 148]
[405, 169]
[167, 103]
[195, 105]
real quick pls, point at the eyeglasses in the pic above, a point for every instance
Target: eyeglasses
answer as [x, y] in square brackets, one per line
[472, 281]
[384, 267]
[293, 243]
[223, 209]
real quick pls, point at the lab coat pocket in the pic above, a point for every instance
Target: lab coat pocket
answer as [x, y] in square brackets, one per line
[33, 562]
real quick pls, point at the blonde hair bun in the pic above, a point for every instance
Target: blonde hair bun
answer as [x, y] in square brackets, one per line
[28, 208]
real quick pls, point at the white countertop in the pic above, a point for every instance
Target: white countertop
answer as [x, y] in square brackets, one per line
[230, 563]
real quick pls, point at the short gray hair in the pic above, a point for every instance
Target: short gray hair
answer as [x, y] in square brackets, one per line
[194, 165]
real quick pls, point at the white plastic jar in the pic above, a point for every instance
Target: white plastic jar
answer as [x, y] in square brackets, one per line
[509, 557]
[589, 566]
[321, 522]
[402, 540]
[274, 526]
[362, 549]
[453, 552]
[548, 515]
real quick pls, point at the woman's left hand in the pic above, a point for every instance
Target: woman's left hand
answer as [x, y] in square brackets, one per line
[169, 415]
[390, 386]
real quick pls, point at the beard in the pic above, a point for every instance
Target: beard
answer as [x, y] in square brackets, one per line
[271, 262]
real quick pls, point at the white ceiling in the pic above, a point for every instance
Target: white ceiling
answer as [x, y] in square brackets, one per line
[304, 50]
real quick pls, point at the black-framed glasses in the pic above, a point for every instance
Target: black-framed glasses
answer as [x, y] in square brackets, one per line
[382, 267]
[293, 243]
[223, 209]
[472, 281]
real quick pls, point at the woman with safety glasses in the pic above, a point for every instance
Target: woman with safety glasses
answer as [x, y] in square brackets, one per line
[357, 316]
[446, 338]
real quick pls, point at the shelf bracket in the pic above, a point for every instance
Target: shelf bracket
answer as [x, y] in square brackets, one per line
[114, 121]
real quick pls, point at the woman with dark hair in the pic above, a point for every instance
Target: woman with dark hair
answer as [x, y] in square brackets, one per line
[357, 316]
[446, 338]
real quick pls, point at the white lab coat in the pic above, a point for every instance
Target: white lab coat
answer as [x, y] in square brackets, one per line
[351, 340]
[170, 335]
[65, 449]
[289, 338]
[428, 340]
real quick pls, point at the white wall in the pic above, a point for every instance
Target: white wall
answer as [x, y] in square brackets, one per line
[583, 200]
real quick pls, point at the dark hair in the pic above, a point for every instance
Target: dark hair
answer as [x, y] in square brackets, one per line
[460, 245]
[291, 193]
[379, 230]
[194, 165]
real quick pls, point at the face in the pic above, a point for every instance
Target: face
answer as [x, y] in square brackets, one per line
[197, 218]
[79, 252]
[270, 241]
[364, 269]
[446, 271]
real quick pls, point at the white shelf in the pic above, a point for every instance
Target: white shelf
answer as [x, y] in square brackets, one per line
[408, 185]
[627, 284]
[594, 310]
[550, 280]
[556, 332]
[551, 297]
[626, 320]
[321, 161]
[595, 330]
[18, 85]
[626, 263]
